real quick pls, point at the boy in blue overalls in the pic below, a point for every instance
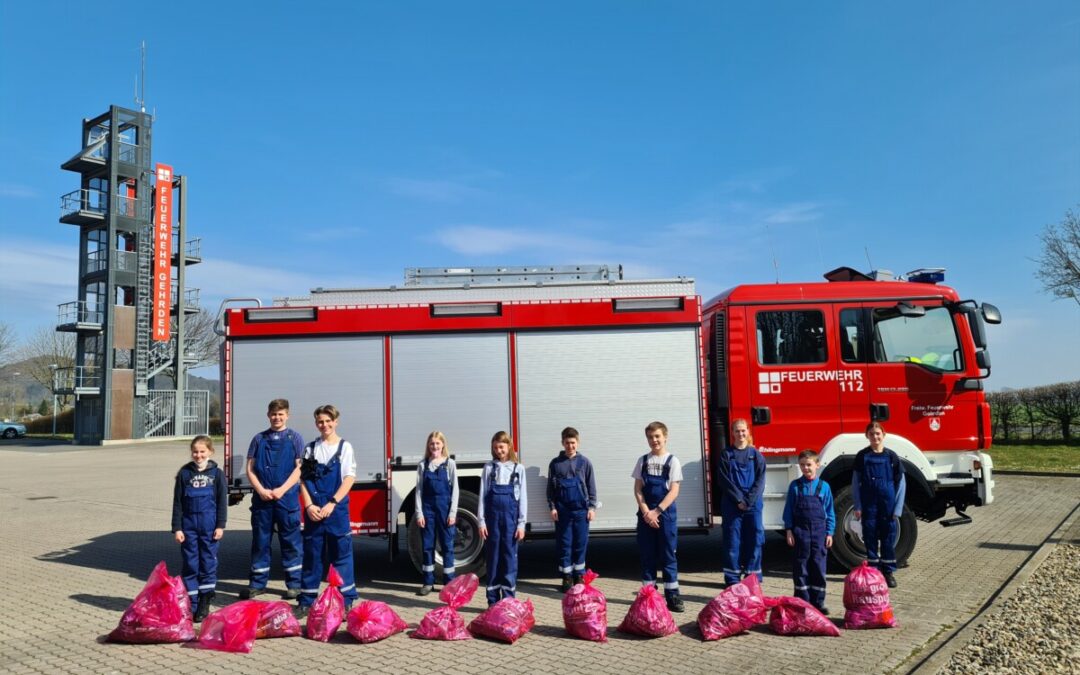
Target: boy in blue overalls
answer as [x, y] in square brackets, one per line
[809, 522]
[878, 487]
[740, 477]
[656, 487]
[200, 503]
[571, 494]
[328, 472]
[502, 516]
[273, 468]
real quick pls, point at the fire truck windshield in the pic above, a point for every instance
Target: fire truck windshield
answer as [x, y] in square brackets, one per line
[928, 340]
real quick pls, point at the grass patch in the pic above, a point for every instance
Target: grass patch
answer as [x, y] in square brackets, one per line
[1051, 457]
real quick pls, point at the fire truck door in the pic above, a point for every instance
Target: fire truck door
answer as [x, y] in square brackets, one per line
[853, 346]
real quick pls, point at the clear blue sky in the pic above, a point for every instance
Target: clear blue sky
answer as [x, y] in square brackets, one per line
[335, 144]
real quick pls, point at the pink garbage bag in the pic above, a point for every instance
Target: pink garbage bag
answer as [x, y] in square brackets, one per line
[161, 612]
[866, 599]
[276, 620]
[736, 610]
[442, 623]
[328, 612]
[795, 616]
[584, 610]
[506, 620]
[371, 621]
[459, 592]
[648, 615]
[232, 628]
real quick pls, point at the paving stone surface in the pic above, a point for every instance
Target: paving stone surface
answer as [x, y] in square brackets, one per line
[82, 527]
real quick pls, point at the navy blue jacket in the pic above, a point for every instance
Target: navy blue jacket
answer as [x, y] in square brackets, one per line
[211, 473]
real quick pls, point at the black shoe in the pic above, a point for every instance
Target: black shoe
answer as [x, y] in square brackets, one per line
[578, 579]
[823, 609]
[675, 604]
[250, 592]
[425, 589]
[890, 580]
[292, 593]
[567, 583]
[204, 606]
[301, 611]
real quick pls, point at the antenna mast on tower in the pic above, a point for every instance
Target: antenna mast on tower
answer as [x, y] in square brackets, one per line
[140, 81]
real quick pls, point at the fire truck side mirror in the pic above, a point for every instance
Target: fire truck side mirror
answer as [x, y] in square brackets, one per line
[982, 359]
[991, 314]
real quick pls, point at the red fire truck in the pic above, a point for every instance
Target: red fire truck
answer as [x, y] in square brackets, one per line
[532, 350]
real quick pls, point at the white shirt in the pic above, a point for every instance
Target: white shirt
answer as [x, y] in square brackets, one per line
[325, 452]
[656, 468]
[503, 473]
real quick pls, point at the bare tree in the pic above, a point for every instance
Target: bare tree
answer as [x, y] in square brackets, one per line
[1026, 402]
[7, 342]
[1059, 263]
[1060, 403]
[42, 349]
[1003, 411]
[202, 342]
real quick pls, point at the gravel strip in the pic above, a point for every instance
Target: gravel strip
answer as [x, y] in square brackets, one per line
[1035, 630]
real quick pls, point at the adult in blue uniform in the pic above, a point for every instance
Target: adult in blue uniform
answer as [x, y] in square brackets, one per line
[273, 468]
[200, 509]
[657, 477]
[571, 495]
[809, 522]
[502, 516]
[327, 474]
[740, 477]
[878, 487]
[436, 508]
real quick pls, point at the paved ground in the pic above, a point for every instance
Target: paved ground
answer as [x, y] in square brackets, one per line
[82, 528]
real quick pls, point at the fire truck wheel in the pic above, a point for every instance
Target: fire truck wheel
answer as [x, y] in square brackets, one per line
[468, 546]
[848, 549]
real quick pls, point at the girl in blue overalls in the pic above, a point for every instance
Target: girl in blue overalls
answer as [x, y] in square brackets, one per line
[878, 487]
[327, 474]
[657, 476]
[200, 502]
[502, 516]
[809, 522]
[436, 508]
[740, 477]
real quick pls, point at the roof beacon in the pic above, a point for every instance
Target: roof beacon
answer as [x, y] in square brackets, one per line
[927, 275]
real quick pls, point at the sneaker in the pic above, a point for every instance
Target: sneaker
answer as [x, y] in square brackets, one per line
[292, 593]
[675, 604]
[425, 589]
[204, 607]
[250, 592]
[890, 580]
[567, 583]
[301, 611]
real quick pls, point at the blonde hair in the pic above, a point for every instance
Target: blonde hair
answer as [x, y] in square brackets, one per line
[503, 437]
[205, 440]
[437, 435]
[328, 410]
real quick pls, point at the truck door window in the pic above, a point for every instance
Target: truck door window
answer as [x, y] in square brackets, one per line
[853, 335]
[791, 337]
[928, 340]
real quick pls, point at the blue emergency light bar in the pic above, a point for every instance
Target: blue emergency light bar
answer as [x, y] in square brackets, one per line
[927, 275]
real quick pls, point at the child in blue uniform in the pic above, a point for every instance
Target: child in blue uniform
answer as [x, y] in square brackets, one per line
[502, 516]
[436, 508]
[809, 521]
[327, 474]
[878, 487]
[571, 494]
[200, 502]
[273, 468]
[656, 487]
[740, 477]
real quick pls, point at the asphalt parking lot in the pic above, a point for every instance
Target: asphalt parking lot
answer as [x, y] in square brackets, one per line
[83, 526]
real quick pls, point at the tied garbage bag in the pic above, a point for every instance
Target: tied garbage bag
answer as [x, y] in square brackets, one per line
[795, 616]
[328, 611]
[866, 599]
[232, 628]
[649, 615]
[276, 620]
[371, 621]
[444, 623]
[161, 612]
[506, 620]
[584, 610]
[736, 610]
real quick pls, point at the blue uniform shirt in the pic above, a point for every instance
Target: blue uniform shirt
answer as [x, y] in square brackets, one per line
[564, 467]
[801, 486]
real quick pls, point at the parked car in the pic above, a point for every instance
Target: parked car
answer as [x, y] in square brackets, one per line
[12, 430]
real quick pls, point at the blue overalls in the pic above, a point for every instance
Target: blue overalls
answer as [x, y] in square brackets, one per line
[275, 460]
[744, 531]
[331, 536]
[809, 527]
[199, 550]
[501, 509]
[877, 491]
[437, 493]
[572, 527]
[657, 545]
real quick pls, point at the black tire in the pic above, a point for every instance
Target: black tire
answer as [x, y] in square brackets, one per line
[468, 546]
[10, 433]
[848, 549]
